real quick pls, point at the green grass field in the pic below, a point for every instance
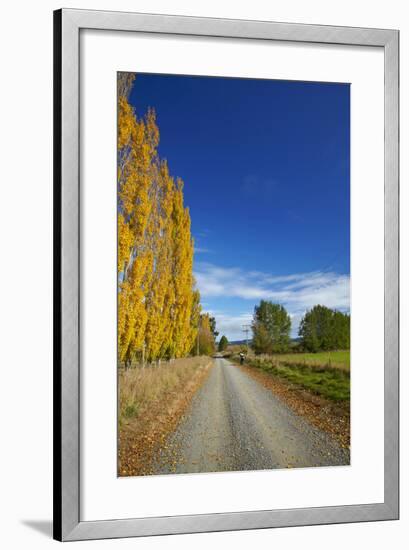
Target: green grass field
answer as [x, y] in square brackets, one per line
[326, 373]
[332, 383]
[339, 359]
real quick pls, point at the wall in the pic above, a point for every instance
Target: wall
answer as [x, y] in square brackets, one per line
[25, 301]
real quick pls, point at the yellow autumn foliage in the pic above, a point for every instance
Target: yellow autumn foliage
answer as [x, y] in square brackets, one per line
[158, 305]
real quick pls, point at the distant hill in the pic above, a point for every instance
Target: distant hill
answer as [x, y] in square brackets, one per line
[243, 342]
[239, 342]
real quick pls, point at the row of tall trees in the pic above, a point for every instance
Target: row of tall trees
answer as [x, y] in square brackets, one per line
[321, 328]
[158, 305]
[205, 339]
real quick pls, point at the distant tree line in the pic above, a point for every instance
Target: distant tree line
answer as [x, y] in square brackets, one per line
[320, 329]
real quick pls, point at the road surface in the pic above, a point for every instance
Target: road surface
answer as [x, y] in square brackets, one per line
[234, 423]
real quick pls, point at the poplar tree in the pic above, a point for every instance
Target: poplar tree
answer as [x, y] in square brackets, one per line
[159, 300]
[205, 341]
[223, 343]
[182, 274]
[137, 143]
[158, 305]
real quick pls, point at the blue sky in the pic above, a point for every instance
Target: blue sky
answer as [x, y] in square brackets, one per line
[266, 170]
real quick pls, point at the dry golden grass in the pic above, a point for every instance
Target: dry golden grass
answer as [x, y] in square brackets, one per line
[140, 387]
[151, 402]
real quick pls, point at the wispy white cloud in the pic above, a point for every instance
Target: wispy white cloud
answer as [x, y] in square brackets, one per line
[301, 290]
[297, 291]
[232, 325]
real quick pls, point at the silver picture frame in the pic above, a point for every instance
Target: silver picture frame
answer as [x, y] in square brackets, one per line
[67, 26]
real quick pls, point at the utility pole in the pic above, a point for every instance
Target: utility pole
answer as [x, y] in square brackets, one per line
[246, 329]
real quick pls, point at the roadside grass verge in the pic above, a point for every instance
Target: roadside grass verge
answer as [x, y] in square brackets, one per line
[330, 383]
[338, 359]
[151, 401]
[329, 380]
[140, 387]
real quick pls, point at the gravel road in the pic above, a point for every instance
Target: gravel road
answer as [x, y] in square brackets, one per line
[234, 423]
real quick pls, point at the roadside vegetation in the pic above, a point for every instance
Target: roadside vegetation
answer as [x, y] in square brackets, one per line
[206, 336]
[271, 328]
[319, 361]
[323, 329]
[334, 358]
[326, 380]
[223, 343]
[311, 374]
[140, 387]
[151, 403]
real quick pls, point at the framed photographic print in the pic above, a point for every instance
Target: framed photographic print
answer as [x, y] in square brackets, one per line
[226, 274]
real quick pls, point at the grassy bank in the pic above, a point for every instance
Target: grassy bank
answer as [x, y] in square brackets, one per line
[339, 359]
[151, 402]
[317, 373]
[140, 388]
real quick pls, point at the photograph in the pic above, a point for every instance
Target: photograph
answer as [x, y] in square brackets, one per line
[233, 274]
[210, 237]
